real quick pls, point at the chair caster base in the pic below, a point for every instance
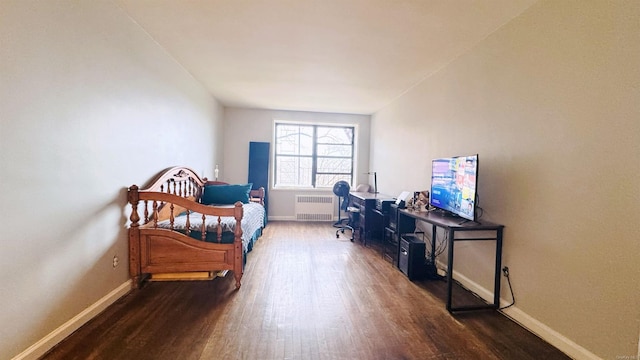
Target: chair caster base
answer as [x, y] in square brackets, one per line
[341, 230]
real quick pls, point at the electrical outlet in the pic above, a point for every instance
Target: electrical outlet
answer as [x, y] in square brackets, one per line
[116, 261]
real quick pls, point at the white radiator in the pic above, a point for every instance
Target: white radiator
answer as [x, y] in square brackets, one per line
[314, 207]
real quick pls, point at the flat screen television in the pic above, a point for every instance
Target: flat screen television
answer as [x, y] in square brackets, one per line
[454, 182]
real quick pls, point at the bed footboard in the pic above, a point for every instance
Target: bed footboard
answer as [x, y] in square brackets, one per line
[165, 251]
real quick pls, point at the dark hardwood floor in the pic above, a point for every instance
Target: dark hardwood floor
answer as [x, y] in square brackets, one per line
[304, 295]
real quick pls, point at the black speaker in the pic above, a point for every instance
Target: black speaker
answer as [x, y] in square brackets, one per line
[259, 168]
[411, 259]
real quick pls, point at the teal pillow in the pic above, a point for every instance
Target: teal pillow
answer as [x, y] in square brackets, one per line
[226, 194]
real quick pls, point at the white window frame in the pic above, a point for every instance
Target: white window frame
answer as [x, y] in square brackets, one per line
[274, 169]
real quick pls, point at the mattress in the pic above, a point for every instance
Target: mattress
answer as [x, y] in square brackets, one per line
[252, 222]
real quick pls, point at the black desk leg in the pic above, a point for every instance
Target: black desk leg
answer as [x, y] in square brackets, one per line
[450, 269]
[498, 271]
[434, 236]
[496, 280]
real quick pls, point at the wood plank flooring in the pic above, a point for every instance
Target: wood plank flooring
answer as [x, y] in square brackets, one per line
[304, 295]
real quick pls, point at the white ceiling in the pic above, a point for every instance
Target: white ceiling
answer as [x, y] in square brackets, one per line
[343, 56]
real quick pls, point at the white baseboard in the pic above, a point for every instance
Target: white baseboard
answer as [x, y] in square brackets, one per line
[546, 333]
[282, 218]
[45, 344]
[551, 336]
[293, 218]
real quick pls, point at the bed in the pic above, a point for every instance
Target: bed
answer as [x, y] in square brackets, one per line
[184, 224]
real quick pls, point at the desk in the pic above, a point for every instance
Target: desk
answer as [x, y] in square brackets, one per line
[453, 226]
[369, 225]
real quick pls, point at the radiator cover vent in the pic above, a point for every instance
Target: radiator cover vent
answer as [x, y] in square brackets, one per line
[314, 207]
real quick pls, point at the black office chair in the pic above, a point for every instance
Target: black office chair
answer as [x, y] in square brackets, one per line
[341, 190]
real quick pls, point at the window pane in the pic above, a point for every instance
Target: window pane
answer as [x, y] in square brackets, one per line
[330, 180]
[294, 140]
[333, 165]
[335, 135]
[293, 171]
[303, 151]
[335, 150]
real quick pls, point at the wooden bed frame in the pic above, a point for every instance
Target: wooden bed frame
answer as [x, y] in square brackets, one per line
[154, 250]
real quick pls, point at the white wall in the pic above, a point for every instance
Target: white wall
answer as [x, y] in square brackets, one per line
[89, 105]
[245, 125]
[551, 103]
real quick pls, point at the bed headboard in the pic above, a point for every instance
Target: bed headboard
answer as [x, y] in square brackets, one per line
[178, 180]
[159, 198]
[184, 182]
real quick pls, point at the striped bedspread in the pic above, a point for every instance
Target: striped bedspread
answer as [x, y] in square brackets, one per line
[252, 220]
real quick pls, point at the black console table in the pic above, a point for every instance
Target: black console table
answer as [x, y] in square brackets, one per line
[370, 222]
[453, 226]
[391, 237]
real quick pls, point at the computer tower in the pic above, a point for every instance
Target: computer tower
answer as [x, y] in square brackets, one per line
[411, 258]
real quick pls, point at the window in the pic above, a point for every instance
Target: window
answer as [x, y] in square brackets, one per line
[313, 155]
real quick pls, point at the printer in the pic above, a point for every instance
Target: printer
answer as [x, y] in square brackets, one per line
[383, 205]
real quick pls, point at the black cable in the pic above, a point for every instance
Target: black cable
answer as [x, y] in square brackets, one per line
[506, 274]
[478, 208]
[440, 247]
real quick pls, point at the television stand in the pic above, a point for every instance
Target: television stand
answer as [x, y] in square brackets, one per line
[443, 213]
[486, 232]
[466, 221]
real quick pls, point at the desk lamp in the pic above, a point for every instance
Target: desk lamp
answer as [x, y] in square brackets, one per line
[375, 181]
